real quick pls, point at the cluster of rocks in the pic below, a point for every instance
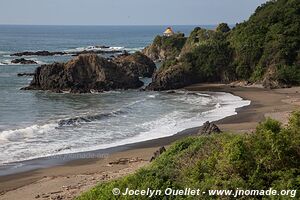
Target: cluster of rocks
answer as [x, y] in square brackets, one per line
[38, 53]
[24, 61]
[73, 53]
[91, 72]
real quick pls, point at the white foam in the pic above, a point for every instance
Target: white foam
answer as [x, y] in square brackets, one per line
[4, 52]
[8, 62]
[99, 48]
[224, 104]
[94, 48]
[31, 131]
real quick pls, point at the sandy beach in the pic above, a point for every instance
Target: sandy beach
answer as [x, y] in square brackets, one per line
[70, 179]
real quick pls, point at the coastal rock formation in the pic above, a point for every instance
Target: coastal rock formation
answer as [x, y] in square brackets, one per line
[83, 74]
[263, 50]
[209, 128]
[95, 52]
[165, 47]
[138, 63]
[38, 53]
[23, 61]
[172, 78]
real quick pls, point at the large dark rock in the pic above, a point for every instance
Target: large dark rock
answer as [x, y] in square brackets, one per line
[24, 61]
[172, 78]
[83, 74]
[138, 63]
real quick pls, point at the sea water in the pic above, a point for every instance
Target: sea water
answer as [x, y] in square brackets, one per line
[39, 123]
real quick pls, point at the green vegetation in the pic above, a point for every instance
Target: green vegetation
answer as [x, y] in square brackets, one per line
[171, 46]
[264, 48]
[267, 158]
[269, 38]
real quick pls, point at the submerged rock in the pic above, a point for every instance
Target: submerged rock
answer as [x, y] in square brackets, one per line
[23, 61]
[82, 74]
[26, 74]
[38, 53]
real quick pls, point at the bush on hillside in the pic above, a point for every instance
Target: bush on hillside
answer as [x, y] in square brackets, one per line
[268, 158]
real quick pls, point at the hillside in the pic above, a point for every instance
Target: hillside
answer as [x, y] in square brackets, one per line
[268, 158]
[264, 49]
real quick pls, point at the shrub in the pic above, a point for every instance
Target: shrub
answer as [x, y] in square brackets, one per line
[270, 157]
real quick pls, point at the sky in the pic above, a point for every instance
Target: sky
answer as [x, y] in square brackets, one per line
[126, 12]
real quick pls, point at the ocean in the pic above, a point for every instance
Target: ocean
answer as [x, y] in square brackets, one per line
[32, 123]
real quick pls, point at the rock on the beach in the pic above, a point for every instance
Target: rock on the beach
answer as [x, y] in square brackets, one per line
[157, 153]
[209, 128]
[83, 74]
[23, 61]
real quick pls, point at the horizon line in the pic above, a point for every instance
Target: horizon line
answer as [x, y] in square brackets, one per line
[110, 24]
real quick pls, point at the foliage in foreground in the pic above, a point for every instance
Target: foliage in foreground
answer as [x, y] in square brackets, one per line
[268, 158]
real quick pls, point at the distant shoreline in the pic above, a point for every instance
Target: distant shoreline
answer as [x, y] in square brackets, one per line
[274, 103]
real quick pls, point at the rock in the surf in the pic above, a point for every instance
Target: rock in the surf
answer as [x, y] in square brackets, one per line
[38, 53]
[24, 61]
[82, 74]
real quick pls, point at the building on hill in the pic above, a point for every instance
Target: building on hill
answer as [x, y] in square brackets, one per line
[169, 32]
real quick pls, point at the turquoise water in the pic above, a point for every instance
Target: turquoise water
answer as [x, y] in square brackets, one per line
[33, 123]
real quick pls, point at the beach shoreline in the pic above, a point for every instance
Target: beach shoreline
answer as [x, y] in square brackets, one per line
[68, 179]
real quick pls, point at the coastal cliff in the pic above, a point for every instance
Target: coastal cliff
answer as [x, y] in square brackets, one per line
[90, 72]
[264, 50]
[165, 47]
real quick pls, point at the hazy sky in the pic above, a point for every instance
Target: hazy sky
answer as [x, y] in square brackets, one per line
[125, 12]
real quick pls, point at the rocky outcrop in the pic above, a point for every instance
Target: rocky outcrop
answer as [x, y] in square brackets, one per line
[270, 81]
[172, 78]
[24, 61]
[137, 63]
[38, 53]
[73, 53]
[209, 128]
[83, 74]
[96, 52]
[165, 48]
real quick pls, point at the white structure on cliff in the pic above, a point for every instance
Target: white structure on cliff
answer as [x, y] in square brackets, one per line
[169, 32]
